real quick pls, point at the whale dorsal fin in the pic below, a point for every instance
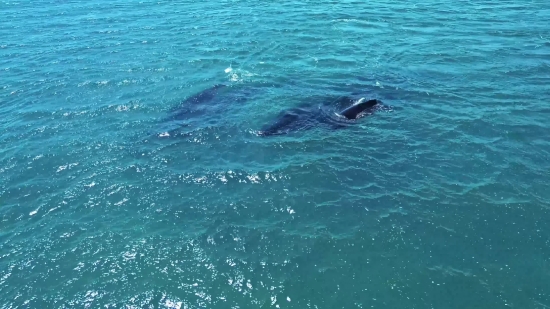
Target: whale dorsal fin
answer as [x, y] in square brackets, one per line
[357, 108]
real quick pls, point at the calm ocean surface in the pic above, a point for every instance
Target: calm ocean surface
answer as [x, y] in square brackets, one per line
[441, 202]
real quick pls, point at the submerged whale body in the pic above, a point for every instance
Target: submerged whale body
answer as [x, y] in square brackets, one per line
[305, 118]
[195, 104]
[202, 110]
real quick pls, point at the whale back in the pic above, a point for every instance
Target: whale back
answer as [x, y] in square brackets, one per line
[353, 111]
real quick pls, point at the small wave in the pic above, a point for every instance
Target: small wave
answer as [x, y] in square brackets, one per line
[231, 176]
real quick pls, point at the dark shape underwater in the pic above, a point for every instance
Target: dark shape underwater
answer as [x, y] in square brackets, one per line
[201, 110]
[307, 117]
[199, 104]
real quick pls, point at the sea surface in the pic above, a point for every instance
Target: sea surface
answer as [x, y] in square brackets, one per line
[442, 201]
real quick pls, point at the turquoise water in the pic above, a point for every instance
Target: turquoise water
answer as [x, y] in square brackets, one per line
[442, 202]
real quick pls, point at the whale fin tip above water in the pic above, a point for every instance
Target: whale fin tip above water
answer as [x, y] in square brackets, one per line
[304, 118]
[360, 106]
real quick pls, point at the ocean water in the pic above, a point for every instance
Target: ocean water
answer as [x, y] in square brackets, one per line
[441, 202]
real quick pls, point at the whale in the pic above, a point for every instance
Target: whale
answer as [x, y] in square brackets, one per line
[205, 109]
[307, 117]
